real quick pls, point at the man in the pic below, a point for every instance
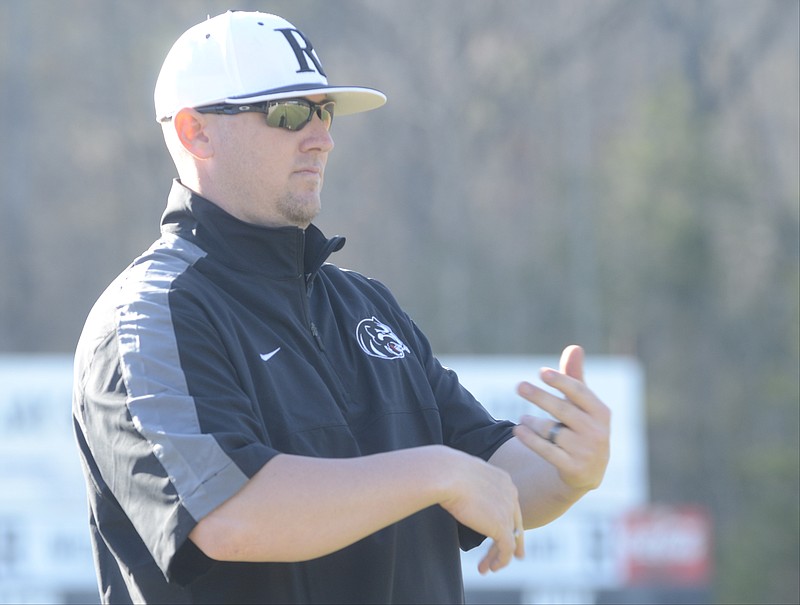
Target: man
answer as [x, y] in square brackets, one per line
[258, 425]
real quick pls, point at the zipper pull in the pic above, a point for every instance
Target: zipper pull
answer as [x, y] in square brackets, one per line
[317, 337]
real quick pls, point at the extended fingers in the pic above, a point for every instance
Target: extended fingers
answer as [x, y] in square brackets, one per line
[574, 389]
[549, 430]
[576, 438]
[577, 398]
[535, 433]
[571, 362]
[580, 456]
[557, 407]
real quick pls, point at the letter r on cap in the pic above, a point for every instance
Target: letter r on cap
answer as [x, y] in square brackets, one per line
[294, 38]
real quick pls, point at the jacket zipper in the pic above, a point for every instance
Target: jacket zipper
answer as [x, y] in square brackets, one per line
[317, 337]
[331, 246]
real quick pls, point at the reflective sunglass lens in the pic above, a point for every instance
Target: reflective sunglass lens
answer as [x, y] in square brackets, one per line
[291, 116]
[325, 113]
[294, 115]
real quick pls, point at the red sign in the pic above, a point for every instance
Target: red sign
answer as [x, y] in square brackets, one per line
[667, 545]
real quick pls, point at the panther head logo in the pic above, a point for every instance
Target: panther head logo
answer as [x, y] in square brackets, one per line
[378, 340]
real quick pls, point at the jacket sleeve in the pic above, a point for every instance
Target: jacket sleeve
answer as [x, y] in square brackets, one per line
[167, 456]
[466, 424]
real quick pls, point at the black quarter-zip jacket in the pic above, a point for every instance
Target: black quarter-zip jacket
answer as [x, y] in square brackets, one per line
[224, 345]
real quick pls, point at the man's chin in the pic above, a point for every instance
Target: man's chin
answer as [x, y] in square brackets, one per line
[301, 213]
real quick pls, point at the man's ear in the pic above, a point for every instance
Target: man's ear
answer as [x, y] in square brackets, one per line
[191, 128]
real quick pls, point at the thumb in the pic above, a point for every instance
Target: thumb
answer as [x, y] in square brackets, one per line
[571, 362]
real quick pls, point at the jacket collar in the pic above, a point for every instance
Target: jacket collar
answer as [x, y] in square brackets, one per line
[276, 252]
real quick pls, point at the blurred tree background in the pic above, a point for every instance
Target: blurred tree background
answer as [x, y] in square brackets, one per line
[617, 173]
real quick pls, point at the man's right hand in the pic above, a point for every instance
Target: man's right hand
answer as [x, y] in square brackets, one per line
[485, 499]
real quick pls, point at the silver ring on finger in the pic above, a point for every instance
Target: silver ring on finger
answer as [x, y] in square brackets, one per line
[554, 430]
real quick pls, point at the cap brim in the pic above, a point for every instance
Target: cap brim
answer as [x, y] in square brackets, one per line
[348, 99]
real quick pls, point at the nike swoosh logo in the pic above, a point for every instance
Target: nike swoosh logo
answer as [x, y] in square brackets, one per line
[268, 356]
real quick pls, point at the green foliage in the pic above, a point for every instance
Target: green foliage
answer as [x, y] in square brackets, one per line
[721, 351]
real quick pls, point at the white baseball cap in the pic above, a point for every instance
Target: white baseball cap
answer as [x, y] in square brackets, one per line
[245, 57]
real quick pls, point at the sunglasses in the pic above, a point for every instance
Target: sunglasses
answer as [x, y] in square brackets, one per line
[290, 114]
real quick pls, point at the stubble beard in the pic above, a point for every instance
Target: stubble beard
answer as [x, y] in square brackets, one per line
[300, 210]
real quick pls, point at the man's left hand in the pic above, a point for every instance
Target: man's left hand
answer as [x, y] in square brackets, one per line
[576, 442]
